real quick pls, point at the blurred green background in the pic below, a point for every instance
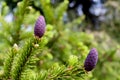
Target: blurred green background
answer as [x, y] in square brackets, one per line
[65, 39]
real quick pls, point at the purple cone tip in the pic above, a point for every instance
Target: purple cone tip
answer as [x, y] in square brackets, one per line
[91, 60]
[39, 28]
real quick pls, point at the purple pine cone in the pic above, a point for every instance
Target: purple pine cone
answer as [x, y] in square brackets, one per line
[39, 28]
[91, 60]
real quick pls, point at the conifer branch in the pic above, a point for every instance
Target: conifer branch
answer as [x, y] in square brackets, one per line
[6, 31]
[48, 11]
[21, 60]
[9, 61]
[57, 72]
[19, 18]
[71, 73]
[59, 11]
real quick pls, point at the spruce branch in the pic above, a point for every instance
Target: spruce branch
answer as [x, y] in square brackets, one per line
[24, 58]
[19, 18]
[61, 9]
[9, 60]
[5, 24]
[21, 59]
[72, 73]
[60, 72]
[5, 31]
[47, 11]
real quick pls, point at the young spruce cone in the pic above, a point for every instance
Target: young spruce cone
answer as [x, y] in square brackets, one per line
[91, 60]
[39, 28]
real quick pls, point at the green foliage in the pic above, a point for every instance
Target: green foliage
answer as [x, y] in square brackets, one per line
[59, 11]
[9, 61]
[60, 53]
[48, 11]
